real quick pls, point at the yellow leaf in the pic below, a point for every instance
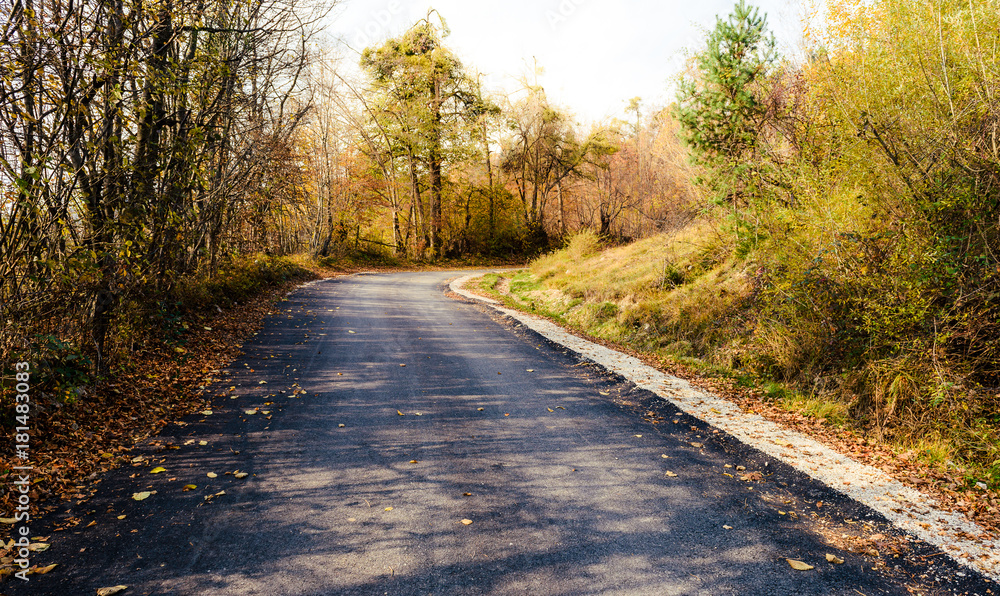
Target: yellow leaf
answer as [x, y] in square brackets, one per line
[241, 475]
[413, 461]
[467, 522]
[388, 508]
[157, 470]
[203, 443]
[107, 455]
[212, 475]
[799, 565]
[249, 412]
[834, 559]
[341, 425]
[121, 517]
[140, 496]
[38, 547]
[111, 591]
[206, 412]
[670, 475]
[480, 409]
[93, 523]
[46, 569]
[400, 413]
[531, 370]
[8, 520]
[186, 488]
[550, 409]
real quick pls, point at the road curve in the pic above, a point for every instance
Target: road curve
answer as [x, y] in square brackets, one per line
[398, 441]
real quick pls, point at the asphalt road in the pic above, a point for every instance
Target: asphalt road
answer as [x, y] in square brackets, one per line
[386, 413]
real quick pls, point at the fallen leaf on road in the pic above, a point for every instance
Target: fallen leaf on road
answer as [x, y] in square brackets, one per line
[388, 508]
[212, 475]
[157, 470]
[46, 569]
[413, 461]
[206, 412]
[8, 520]
[341, 425]
[664, 456]
[799, 565]
[670, 475]
[727, 527]
[37, 547]
[531, 370]
[402, 365]
[203, 443]
[781, 442]
[111, 591]
[834, 559]
[640, 436]
[122, 517]
[186, 488]
[249, 412]
[467, 522]
[560, 408]
[262, 382]
[604, 393]
[349, 331]
[480, 409]
[265, 412]
[550, 409]
[93, 523]
[142, 495]
[697, 445]
[466, 494]
[400, 413]
[240, 475]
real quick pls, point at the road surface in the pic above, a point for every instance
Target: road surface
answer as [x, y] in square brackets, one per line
[400, 441]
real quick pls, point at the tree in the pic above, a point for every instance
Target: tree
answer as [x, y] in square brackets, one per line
[423, 97]
[720, 107]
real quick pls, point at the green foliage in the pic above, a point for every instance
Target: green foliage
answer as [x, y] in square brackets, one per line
[721, 109]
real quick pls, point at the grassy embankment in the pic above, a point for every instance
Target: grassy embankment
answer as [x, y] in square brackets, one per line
[690, 299]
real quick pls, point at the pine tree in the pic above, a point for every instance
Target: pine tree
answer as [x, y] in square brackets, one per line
[719, 108]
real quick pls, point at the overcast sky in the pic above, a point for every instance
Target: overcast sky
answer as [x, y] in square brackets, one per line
[596, 53]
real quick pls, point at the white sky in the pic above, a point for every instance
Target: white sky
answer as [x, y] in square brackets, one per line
[596, 53]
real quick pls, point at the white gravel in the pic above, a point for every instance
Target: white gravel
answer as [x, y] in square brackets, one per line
[908, 509]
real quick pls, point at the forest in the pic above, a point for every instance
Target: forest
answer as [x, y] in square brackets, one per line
[830, 224]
